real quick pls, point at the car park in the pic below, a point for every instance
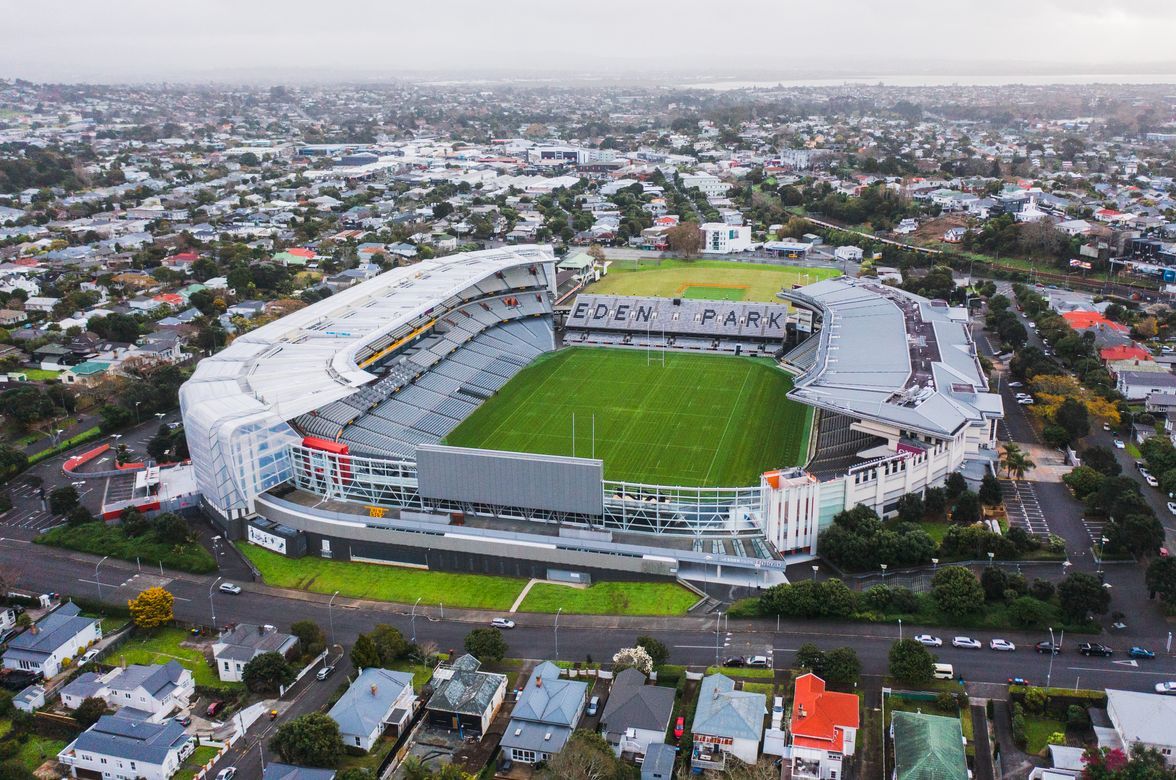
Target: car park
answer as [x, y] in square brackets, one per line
[1095, 649]
[966, 642]
[502, 623]
[926, 640]
[1047, 647]
[228, 587]
[324, 673]
[1140, 652]
[1002, 644]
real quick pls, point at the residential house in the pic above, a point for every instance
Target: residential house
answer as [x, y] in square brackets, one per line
[54, 357]
[289, 772]
[62, 634]
[1144, 719]
[1137, 385]
[546, 713]
[116, 747]
[636, 715]
[377, 700]
[726, 722]
[10, 317]
[465, 698]
[721, 238]
[40, 303]
[847, 253]
[85, 374]
[7, 622]
[659, 762]
[824, 729]
[239, 646]
[156, 690]
[928, 747]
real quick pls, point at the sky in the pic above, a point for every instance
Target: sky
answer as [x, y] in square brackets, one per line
[267, 41]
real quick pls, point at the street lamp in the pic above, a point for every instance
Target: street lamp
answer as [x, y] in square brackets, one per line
[1066, 567]
[1101, 546]
[211, 606]
[557, 614]
[96, 580]
[991, 555]
[137, 411]
[934, 564]
[815, 567]
[331, 615]
[57, 435]
[705, 570]
[884, 574]
[900, 629]
[1053, 650]
[413, 618]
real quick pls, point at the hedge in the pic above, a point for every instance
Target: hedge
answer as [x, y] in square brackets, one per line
[1058, 700]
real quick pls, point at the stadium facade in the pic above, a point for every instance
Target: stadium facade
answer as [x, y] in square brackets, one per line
[320, 432]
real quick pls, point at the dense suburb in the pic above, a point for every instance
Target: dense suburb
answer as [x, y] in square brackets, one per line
[700, 420]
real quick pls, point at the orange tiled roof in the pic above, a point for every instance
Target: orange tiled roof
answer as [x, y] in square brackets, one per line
[1124, 352]
[820, 717]
[1084, 320]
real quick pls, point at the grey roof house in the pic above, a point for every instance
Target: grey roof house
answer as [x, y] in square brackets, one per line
[636, 715]
[464, 698]
[288, 772]
[378, 699]
[61, 634]
[544, 716]
[122, 747]
[238, 647]
[155, 690]
[726, 721]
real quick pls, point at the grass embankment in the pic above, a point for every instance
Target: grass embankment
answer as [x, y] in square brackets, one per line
[705, 420]
[200, 756]
[162, 645]
[675, 278]
[471, 591]
[100, 538]
[87, 435]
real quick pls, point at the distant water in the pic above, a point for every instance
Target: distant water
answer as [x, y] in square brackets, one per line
[944, 81]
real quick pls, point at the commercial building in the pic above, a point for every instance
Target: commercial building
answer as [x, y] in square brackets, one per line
[719, 238]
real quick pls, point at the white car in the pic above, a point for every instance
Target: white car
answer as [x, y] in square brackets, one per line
[502, 623]
[1016, 384]
[966, 642]
[929, 641]
[1151, 481]
[1002, 644]
[228, 773]
[228, 587]
[1119, 445]
[1172, 507]
[1106, 426]
[1025, 401]
[1168, 688]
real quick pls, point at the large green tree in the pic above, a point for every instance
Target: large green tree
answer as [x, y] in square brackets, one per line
[267, 673]
[486, 644]
[312, 740]
[1081, 594]
[956, 591]
[910, 662]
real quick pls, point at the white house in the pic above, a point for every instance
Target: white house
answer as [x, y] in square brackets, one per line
[378, 699]
[726, 722]
[708, 184]
[234, 649]
[824, 729]
[156, 689]
[851, 254]
[60, 635]
[124, 748]
[1144, 719]
[721, 238]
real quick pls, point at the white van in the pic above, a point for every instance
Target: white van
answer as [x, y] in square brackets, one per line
[944, 672]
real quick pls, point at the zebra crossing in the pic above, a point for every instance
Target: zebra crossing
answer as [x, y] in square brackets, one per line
[1024, 509]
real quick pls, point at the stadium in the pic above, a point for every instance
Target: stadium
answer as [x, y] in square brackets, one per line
[452, 415]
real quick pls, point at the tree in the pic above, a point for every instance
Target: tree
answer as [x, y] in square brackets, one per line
[63, 499]
[811, 657]
[1072, 416]
[685, 239]
[1028, 612]
[1161, 579]
[364, 654]
[1102, 460]
[89, 711]
[910, 662]
[935, 502]
[1015, 461]
[967, 508]
[910, 508]
[658, 652]
[990, 492]
[956, 591]
[486, 644]
[994, 581]
[1140, 533]
[841, 665]
[267, 673]
[170, 528]
[152, 608]
[113, 418]
[310, 635]
[1081, 594]
[585, 756]
[955, 484]
[390, 643]
[312, 740]
[632, 658]
[134, 522]
[79, 515]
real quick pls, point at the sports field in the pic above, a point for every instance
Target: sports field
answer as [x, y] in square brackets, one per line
[700, 420]
[710, 279]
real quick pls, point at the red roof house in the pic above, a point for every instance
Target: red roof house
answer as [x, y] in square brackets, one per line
[1124, 352]
[824, 728]
[1085, 320]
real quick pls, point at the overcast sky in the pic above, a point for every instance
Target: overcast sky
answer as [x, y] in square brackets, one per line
[262, 40]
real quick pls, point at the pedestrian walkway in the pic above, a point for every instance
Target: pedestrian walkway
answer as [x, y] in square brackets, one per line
[1023, 507]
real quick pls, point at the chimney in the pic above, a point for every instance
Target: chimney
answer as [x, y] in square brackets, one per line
[803, 714]
[374, 689]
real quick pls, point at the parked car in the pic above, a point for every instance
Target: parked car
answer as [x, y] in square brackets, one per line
[228, 773]
[89, 657]
[1140, 652]
[929, 641]
[1119, 445]
[735, 662]
[324, 673]
[1172, 507]
[1106, 426]
[1018, 681]
[1016, 384]
[1025, 401]
[228, 587]
[679, 727]
[758, 660]
[184, 720]
[966, 642]
[1093, 648]
[1151, 481]
[1002, 644]
[502, 623]
[1168, 688]
[1047, 647]
[214, 708]
[593, 706]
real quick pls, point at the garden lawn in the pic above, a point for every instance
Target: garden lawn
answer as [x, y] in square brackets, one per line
[31, 751]
[1037, 731]
[200, 756]
[38, 374]
[674, 278]
[384, 583]
[100, 538]
[163, 645]
[744, 672]
[611, 598]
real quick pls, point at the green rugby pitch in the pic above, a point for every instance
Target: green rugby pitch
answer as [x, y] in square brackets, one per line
[697, 420]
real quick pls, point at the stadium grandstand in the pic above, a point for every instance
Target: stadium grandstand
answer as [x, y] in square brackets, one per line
[332, 422]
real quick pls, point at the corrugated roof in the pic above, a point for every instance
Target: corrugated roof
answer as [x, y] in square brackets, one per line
[928, 747]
